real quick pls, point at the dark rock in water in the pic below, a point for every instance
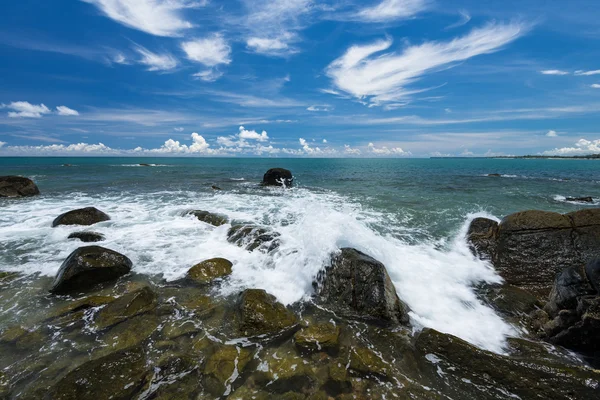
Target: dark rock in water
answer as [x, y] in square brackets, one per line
[318, 337]
[581, 331]
[215, 187]
[88, 266]
[67, 165]
[494, 175]
[145, 165]
[285, 374]
[252, 237]
[125, 307]
[226, 362]
[510, 301]
[592, 272]
[83, 216]
[278, 177]
[87, 236]
[359, 286]
[568, 286]
[580, 199]
[209, 218]
[119, 375]
[17, 186]
[209, 270]
[260, 313]
[482, 237]
[477, 373]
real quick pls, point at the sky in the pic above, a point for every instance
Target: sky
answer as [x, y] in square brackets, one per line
[299, 78]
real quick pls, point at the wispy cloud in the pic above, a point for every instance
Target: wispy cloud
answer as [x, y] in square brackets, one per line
[66, 111]
[279, 46]
[317, 108]
[595, 86]
[24, 109]
[156, 17]
[554, 72]
[587, 73]
[465, 17]
[366, 75]
[155, 61]
[209, 51]
[390, 10]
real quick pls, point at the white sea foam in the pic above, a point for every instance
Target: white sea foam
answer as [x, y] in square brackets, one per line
[436, 282]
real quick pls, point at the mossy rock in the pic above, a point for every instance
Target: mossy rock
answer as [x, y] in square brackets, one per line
[82, 216]
[22, 338]
[200, 305]
[130, 333]
[246, 393]
[318, 337]
[261, 314]
[366, 362]
[282, 372]
[338, 380]
[175, 377]
[174, 329]
[209, 218]
[81, 304]
[223, 367]
[119, 375]
[7, 276]
[209, 270]
[125, 307]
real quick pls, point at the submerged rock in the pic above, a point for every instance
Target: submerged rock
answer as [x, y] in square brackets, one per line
[223, 367]
[83, 216]
[494, 175]
[252, 237]
[365, 362]
[285, 372]
[278, 177]
[209, 218]
[88, 266]
[260, 313]
[209, 270]
[17, 186]
[215, 187]
[359, 286]
[125, 307]
[318, 337]
[87, 237]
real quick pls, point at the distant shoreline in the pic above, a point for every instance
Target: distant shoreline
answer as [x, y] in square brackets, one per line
[587, 157]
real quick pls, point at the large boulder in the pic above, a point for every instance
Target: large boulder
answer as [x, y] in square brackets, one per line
[260, 313]
[482, 236]
[17, 186]
[568, 286]
[209, 270]
[88, 266]
[318, 337]
[82, 216]
[358, 286]
[592, 272]
[278, 177]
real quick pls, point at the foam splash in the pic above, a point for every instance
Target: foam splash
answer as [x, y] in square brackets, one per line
[434, 279]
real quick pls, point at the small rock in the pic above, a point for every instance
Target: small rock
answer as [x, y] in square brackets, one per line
[125, 307]
[215, 187]
[87, 237]
[366, 362]
[221, 368]
[494, 175]
[285, 372]
[252, 237]
[17, 186]
[261, 314]
[177, 328]
[580, 199]
[592, 272]
[319, 337]
[83, 216]
[88, 266]
[209, 218]
[145, 165]
[209, 270]
[278, 177]
[129, 333]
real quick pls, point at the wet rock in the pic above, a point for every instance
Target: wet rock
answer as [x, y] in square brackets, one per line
[469, 372]
[176, 378]
[259, 313]
[8, 276]
[81, 304]
[119, 375]
[215, 187]
[129, 333]
[510, 301]
[87, 237]
[252, 237]
[580, 199]
[283, 372]
[177, 328]
[578, 331]
[88, 266]
[359, 286]
[83, 216]
[592, 273]
[22, 338]
[338, 380]
[494, 175]
[318, 337]
[278, 177]
[209, 218]
[145, 165]
[365, 362]
[17, 186]
[482, 237]
[125, 307]
[223, 367]
[209, 270]
[568, 286]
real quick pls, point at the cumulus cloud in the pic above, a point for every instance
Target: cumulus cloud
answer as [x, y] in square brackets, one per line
[385, 151]
[155, 61]
[156, 17]
[199, 145]
[587, 73]
[209, 51]
[2, 144]
[554, 72]
[378, 78]
[552, 134]
[581, 147]
[24, 109]
[389, 10]
[253, 135]
[66, 111]
[351, 151]
[83, 148]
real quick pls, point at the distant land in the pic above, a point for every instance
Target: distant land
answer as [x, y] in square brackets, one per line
[586, 157]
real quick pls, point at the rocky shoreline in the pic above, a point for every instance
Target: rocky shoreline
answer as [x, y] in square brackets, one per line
[108, 333]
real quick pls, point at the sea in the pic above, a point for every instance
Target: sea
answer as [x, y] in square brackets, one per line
[410, 214]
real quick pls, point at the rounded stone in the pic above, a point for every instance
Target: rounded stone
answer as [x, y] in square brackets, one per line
[209, 270]
[278, 177]
[17, 186]
[82, 216]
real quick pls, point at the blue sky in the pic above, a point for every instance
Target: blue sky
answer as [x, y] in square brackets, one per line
[391, 78]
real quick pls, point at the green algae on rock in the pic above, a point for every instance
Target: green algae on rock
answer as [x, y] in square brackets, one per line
[83, 216]
[223, 367]
[318, 337]
[209, 270]
[260, 313]
[125, 307]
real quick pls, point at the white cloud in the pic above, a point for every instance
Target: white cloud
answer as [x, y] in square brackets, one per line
[271, 46]
[554, 72]
[156, 17]
[66, 111]
[199, 145]
[582, 147]
[2, 144]
[325, 141]
[385, 151]
[595, 86]
[384, 78]
[587, 73]
[154, 61]
[84, 148]
[210, 51]
[178, 129]
[317, 108]
[389, 10]
[209, 75]
[120, 58]
[350, 151]
[552, 134]
[24, 109]
[464, 19]
[253, 135]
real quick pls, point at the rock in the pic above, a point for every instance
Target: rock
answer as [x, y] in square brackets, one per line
[278, 177]
[22, 338]
[177, 328]
[87, 237]
[119, 375]
[81, 304]
[367, 363]
[579, 332]
[318, 337]
[580, 199]
[83, 216]
[359, 286]
[125, 307]
[209, 270]
[209, 218]
[223, 367]
[252, 237]
[282, 372]
[145, 165]
[260, 313]
[482, 237]
[8, 276]
[510, 301]
[88, 266]
[215, 187]
[17, 186]
[568, 286]
[466, 371]
[494, 175]
[131, 332]
[592, 273]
